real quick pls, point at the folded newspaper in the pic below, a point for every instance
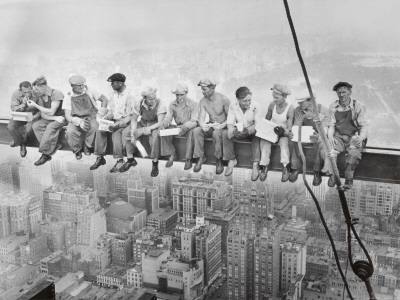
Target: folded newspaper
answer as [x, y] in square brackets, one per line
[104, 125]
[306, 132]
[265, 130]
[21, 116]
[170, 131]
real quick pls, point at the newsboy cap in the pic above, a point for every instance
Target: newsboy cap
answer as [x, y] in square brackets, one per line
[281, 89]
[340, 84]
[180, 88]
[148, 91]
[207, 82]
[76, 79]
[117, 77]
[299, 100]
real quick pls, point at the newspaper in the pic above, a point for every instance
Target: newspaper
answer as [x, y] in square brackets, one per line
[21, 116]
[170, 131]
[104, 125]
[306, 132]
[265, 130]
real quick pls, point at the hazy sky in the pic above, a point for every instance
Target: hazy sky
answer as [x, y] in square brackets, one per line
[49, 26]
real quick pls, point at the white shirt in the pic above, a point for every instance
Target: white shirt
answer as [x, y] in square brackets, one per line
[121, 104]
[248, 118]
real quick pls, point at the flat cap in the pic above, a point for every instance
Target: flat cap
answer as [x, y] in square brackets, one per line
[281, 89]
[180, 88]
[299, 100]
[207, 82]
[76, 79]
[117, 77]
[148, 91]
[41, 80]
[340, 84]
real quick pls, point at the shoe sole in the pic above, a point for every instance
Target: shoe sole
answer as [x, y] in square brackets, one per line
[42, 163]
[102, 164]
[122, 170]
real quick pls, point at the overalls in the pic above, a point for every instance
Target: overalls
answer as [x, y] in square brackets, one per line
[82, 107]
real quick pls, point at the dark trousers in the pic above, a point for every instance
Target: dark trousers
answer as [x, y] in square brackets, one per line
[150, 142]
[295, 158]
[199, 135]
[47, 133]
[100, 144]
[228, 145]
[20, 131]
[167, 148]
[76, 136]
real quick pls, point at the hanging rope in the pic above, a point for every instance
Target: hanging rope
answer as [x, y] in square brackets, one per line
[363, 269]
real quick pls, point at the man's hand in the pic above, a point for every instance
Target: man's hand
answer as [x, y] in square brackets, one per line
[102, 112]
[163, 125]
[314, 137]
[356, 141]
[115, 127]
[206, 127]
[184, 129]
[29, 117]
[141, 131]
[290, 135]
[232, 132]
[31, 103]
[108, 116]
[216, 125]
[332, 141]
[241, 135]
[59, 119]
[84, 125]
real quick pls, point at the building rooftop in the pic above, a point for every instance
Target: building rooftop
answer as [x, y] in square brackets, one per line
[162, 214]
[121, 210]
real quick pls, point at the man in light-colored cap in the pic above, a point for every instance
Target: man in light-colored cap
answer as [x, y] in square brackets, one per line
[306, 108]
[81, 109]
[281, 113]
[52, 119]
[185, 113]
[152, 111]
[216, 106]
[120, 110]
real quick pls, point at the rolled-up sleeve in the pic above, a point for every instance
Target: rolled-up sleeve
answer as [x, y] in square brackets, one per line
[15, 101]
[136, 106]
[67, 103]
[231, 118]
[168, 116]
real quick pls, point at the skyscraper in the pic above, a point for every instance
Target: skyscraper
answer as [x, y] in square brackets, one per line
[91, 225]
[6, 181]
[34, 179]
[293, 263]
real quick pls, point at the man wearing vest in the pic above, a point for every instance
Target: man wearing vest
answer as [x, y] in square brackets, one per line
[347, 132]
[19, 101]
[306, 108]
[185, 113]
[152, 111]
[80, 111]
[281, 113]
[47, 128]
[120, 106]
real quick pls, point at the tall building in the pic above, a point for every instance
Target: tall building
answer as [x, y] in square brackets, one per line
[256, 206]
[208, 248]
[121, 250]
[19, 212]
[188, 243]
[293, 263]
[240, 265]
[163, 183]
[240, 175]
[194, 196]
[141, 196]
[54, 233]
[91, 225]
[163, 220]
[266, 264]
[65, 202]
[33, 250]
[33, 179]
[6, 180]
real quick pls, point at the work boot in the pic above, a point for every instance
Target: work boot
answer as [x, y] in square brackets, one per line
[78, 154]
[348, 184]
[264, 173]
[188, 164]
[118, 165]
[200, 162]
[285, 174]
[87, 150]
[43, 159]
[317, 178]
[331, 180]
[255, 173]
[12, 144]
[131, 162]
[170, 161]
[99, 162]
[294, 174]
[22, 150]
[219, 167]
[154, 170]
[229, 170]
